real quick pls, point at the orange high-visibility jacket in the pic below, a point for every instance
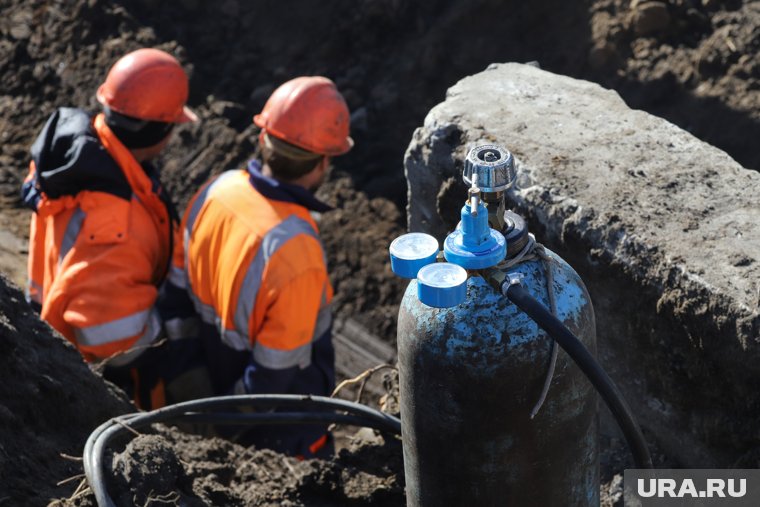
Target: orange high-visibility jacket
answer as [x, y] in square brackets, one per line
[100, 240]
[255, 270]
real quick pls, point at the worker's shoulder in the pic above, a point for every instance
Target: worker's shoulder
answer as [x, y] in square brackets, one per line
[108, 219]
[232, 182]
[231, 194]
[229, 190]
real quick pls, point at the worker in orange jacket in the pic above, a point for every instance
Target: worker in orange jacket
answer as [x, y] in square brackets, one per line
[101, 236]
[254, 267]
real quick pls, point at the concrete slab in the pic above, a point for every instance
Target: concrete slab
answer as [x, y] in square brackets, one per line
[664, 229]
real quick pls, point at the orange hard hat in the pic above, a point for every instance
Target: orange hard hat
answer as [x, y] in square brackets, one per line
[148, 84]
[308, 112]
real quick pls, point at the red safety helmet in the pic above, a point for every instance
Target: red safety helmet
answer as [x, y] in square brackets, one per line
[308, 112]
[148, 84]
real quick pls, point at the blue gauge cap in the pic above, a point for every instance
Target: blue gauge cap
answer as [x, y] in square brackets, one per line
[410, 252]
[442, 285]
[474, 245]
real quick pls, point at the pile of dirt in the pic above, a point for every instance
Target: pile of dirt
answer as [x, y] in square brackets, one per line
[49, 403]
[168, 467]
[361, 229]
[691, 62]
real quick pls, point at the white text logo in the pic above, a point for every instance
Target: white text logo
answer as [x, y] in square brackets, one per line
[669, 488]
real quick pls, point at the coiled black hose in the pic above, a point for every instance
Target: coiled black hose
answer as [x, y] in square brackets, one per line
[588, 365]
[203, 411]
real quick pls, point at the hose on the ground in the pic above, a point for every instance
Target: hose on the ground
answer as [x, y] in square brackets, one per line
[588, 365]
[204, 410]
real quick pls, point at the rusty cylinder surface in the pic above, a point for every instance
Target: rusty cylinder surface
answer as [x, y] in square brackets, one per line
[470, 376]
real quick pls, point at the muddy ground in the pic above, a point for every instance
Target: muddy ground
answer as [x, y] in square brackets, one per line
[49, 403]
[693, 62]
[167, 466]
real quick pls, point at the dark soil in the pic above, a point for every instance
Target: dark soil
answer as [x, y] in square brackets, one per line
[49, 403]
[693, 62]
[168, 467]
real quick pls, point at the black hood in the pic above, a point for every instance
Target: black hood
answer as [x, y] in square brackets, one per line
[70, 158]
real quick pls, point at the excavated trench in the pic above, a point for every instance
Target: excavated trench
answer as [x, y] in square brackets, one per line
[691, 62]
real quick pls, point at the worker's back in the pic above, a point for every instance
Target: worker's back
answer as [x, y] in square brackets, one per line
[242, 250]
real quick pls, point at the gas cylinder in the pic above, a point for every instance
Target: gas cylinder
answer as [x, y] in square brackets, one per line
[472, 367]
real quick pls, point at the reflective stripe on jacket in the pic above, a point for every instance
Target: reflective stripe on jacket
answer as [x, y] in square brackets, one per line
[256, 272]
[99, 240]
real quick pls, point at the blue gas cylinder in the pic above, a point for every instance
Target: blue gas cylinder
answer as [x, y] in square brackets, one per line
[471, 374]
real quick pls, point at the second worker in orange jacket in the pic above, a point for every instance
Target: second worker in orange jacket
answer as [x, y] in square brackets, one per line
[253, 266]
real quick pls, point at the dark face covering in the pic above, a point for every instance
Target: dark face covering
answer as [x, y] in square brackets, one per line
[136, 133]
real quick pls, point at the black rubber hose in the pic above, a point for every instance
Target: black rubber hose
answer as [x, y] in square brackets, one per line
[279, 418]
[589, 366]
[359, 415]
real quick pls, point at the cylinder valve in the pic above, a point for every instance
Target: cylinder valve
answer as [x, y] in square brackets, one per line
[491, 167]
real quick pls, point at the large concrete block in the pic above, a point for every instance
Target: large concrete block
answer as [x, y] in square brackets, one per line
[664, 229]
